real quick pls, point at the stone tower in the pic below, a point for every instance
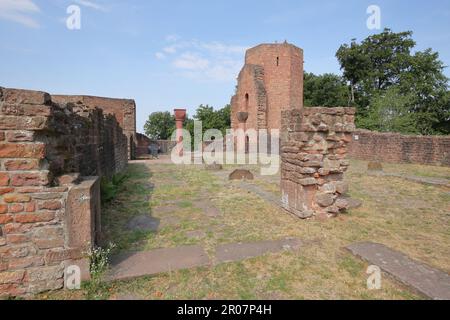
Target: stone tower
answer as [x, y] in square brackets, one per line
[270, 82]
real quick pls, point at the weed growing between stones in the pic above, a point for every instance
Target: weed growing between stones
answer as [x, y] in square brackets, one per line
[98, 264]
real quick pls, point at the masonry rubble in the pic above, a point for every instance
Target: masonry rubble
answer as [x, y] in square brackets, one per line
[51, 158]
[313, 155]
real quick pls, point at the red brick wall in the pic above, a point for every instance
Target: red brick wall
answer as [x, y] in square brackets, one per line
[124, 110]
[394, 147]
[42, 142]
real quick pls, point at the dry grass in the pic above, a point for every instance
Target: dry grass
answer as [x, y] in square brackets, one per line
[406, 216]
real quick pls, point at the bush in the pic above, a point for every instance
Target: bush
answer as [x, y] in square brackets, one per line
[110, 187]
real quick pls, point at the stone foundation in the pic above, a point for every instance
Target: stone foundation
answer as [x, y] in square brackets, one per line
[313, 151]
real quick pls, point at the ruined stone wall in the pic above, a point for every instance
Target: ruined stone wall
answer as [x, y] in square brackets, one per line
[49, 215]
[124, 110]
[397, 148]
[313, 159]
[251, 98]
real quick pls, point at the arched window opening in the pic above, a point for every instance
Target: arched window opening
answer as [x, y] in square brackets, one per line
[247, 98]
[247, 144]
[278, 61]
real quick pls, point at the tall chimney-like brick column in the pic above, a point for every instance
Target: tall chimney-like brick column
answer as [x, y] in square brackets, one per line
[180, 117]
[313, 150]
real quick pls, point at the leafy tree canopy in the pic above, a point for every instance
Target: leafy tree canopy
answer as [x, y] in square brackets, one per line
[327, 90]
[160, 125]
[382, 69]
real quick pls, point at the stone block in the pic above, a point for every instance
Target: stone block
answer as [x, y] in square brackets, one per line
[240, 174]
[83, 213]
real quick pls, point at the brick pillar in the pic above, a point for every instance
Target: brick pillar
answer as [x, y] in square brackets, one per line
[180, 117]
[313, 151]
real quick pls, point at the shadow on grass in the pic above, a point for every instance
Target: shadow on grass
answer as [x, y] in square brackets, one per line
[126, 219]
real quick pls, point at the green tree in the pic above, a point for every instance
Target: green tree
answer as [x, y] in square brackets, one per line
[327, 90]
[384, 61]
[390, 112]
[214, 119]
[160, 125]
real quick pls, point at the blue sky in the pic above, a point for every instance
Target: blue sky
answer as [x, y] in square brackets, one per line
[167, 54]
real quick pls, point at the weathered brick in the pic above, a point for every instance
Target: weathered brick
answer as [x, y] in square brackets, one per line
[12, 290]
[50, 205]
[3, 208]
[17, 238]
[49, 237]
[16, 208]
[34, 217]
[22, 165]
[6, 218]
[30, 179]
[23, 123]
[20, 136]
[16, 150]
[19, 96]
[5, 191]
[56, 256]
[4, 179]
[45, 274]
[17, 228]
[26, 110]
[11, 277]
[2, 136]
[26, 262]
[30, 207]
[12, 198]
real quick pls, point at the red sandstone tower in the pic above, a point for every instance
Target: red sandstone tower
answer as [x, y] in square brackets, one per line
[270, 82]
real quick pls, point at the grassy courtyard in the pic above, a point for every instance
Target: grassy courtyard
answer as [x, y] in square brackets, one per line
[195, 206]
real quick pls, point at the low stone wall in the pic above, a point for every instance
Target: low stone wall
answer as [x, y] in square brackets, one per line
[50, 212]
[313, 151]
[397, 148]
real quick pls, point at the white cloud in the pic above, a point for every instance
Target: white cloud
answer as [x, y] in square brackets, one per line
[91, 4]
[160, 55]
[172, 49]
[203, 60]
[19, 11]
[219, 47]
[172, 38]
[191, 61]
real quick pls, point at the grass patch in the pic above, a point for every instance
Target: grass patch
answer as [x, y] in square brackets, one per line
[403, 215]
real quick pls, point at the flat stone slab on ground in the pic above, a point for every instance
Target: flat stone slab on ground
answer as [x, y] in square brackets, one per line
[195, 234]
[422, 180]
[138, 264]
[241, 251]
[208, 208]
[143, 223]
[430, 282]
